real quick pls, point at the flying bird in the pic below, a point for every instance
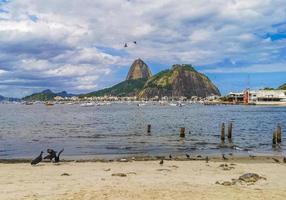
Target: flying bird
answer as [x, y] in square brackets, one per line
[37, 159]
[134, 42]
[57, 158]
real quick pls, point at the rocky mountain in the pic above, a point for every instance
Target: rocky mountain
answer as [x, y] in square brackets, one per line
[282, 87]
[180, 80]
[46, 95]
[139, 69]
[126, 88]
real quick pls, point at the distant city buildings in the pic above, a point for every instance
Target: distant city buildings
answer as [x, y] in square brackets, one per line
[258, 97]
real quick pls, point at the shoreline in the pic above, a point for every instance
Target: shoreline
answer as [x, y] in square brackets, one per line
[241, 158]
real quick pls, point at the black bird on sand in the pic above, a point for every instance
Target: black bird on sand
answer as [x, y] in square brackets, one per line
[51, 154]
[187, 155]
[276, 160]
[223, 157]
[57, 158]
[161, 162]
[207, 159]
[284, 159]
[170, 156]
[38, 159]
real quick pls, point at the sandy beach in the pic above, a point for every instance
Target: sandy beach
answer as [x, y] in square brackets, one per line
[143, 180]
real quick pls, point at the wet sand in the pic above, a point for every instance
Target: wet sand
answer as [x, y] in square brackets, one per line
[143, 180]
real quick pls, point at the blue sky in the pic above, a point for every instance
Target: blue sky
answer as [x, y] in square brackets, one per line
[77, 46]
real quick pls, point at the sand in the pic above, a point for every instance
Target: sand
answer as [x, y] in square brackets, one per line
[144, 180]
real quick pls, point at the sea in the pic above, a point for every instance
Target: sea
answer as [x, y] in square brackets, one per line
[120, 130]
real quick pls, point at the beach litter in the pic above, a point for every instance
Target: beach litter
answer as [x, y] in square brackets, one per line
[119, 174]
[65, 174]
[247, 178]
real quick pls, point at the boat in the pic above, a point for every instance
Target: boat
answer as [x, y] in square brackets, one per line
[88, 104]
[49, 103]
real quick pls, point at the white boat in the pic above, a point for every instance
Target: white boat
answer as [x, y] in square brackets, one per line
[88, 104]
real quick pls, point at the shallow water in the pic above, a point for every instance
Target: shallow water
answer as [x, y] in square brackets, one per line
[119, 130]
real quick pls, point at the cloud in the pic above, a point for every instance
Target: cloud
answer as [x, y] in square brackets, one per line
[261, 68]
[62, 44]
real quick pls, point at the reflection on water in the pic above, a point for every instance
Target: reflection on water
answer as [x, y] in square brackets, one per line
[120, 129]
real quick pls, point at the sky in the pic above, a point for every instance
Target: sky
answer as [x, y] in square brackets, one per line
[78, 45]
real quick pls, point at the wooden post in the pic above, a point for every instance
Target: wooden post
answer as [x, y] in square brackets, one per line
[149, 128]
[222, 136]
[279, 134]
[182, 132]
[229, 131]
[274, 138]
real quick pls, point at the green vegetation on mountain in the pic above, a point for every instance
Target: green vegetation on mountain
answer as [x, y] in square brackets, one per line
[282, 87]
[46, 95]
[181, 80]
[125, 88]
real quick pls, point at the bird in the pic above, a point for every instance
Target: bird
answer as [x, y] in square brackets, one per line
[252, 156]
[38, 159]
[135, 42]
[284, 159]
[161, 162]
[187, 155]
[51, 154]
[170, 156]
[276, 160]
[223, 157]
[57, 158]
[125, 45]
[207, 159]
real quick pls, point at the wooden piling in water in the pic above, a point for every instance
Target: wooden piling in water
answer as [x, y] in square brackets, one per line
[222, 133]
[229, 131]
[279, 134]
[149, 128]
[182, 132]
[274, 138]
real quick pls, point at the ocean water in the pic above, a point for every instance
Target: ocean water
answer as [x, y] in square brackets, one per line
[119, 130]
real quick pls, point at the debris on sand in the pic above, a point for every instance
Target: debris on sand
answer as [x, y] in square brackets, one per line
[226, 167]
[248, 178]
[119, 174]
[65, 174]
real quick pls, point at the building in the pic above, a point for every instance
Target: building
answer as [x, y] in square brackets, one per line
[265, 97]
[258, 97]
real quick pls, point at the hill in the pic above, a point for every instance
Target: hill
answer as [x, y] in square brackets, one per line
[180, 80]
[139, 70]
[282, 87]
[125, 88]
[46, 95]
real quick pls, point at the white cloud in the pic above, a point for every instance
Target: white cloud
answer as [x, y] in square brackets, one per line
[67, 38]
[260, 68]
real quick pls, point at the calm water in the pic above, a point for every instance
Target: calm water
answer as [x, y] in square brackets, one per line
[119, 130]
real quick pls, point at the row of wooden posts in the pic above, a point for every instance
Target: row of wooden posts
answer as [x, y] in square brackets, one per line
[277, 135]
